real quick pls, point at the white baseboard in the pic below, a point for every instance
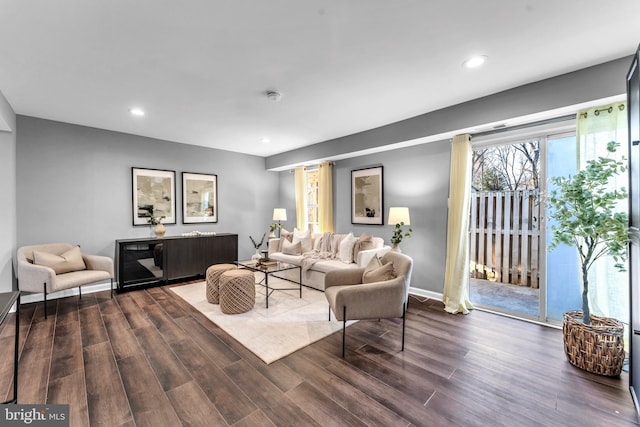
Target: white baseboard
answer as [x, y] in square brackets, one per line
[39, 296]
[424, 293]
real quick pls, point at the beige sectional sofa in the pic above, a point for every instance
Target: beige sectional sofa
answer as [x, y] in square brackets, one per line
[319, 253]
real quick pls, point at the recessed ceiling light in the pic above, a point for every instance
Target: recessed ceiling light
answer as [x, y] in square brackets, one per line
[265, 140]
[136, 111]
[475, 61]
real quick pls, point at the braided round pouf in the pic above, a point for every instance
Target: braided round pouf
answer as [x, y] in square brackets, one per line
[237, 291]
[213, 280]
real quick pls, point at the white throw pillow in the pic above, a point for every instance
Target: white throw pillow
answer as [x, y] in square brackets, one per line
[301, 234]
[345, 253]
[304, 237]
[335, 244]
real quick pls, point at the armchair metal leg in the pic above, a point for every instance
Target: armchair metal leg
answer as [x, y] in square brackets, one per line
[111, 288]
[80, 291]
[344, 327]
[404, 318]
[45, 299]
[329, 313]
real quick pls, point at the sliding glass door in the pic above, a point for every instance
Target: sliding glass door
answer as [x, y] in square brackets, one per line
[562, 267]
[505, 227]
[511, 269]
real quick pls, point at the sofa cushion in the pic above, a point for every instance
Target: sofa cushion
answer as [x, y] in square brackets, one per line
[345, 252]
[289, 248]
[364, 242]
[325, 266]
[304, 237]
[335, 243]
[373, 264]
[380, 274]
[66, 262]
[290, 259]
[284, 235]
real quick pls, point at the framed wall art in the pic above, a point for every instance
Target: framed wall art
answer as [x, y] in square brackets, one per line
[154, 192]
[366, 196]
[199, 198]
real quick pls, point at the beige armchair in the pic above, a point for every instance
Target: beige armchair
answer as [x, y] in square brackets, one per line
[53, 267]
[351, 299]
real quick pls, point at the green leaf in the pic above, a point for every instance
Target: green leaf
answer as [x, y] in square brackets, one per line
[584, 210]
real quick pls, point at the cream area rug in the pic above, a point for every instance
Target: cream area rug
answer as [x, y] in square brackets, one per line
[289, 324]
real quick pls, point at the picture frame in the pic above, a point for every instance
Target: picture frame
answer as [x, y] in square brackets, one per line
[366, 196]
[199, 198]
[153, 191]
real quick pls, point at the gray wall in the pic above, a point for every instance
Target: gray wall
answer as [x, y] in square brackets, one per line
[8, 196]
[417, 177]
[588, 84]
[74, 185]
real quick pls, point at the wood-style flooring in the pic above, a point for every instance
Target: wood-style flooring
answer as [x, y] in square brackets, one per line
[148, 358]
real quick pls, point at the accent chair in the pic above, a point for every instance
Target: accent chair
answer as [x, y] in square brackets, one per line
[374, 292]
[54, 267]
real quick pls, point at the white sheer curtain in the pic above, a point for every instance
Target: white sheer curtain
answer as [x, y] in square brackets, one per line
[456, 276]
[301, 195]
[596, 127]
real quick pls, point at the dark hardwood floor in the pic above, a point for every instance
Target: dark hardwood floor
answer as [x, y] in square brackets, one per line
[148, 358]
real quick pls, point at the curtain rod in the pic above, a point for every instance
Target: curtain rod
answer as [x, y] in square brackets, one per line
[608, 110]
[525, 125]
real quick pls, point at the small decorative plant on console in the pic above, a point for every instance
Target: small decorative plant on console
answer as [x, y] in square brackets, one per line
[583, 207]
[156, 221]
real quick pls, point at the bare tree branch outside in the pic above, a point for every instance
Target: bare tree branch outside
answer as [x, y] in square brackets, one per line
[507, 167]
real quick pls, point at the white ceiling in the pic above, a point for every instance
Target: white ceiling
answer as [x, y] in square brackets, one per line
[200, 68]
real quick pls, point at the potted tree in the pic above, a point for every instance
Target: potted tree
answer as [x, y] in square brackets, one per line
[584, 210]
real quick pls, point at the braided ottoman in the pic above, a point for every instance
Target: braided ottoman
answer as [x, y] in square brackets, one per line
[237, 291]
[213, 280]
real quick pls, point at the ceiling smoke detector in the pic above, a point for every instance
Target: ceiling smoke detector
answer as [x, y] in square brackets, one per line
[273, 95]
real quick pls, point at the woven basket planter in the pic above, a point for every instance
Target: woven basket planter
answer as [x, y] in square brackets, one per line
[597, 348]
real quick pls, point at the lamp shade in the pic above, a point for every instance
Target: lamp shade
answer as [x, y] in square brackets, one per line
[398, 215]
[279, 214]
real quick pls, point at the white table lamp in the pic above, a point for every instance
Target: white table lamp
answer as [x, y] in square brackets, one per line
[398, 215]
[279, 214]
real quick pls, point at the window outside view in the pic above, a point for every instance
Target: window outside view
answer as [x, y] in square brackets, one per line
[504, 227]
[507, 223]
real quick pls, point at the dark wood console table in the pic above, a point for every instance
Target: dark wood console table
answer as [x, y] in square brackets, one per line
[7, 299]
[151, 261]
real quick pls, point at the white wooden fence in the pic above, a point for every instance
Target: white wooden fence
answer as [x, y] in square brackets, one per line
[504, 236]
